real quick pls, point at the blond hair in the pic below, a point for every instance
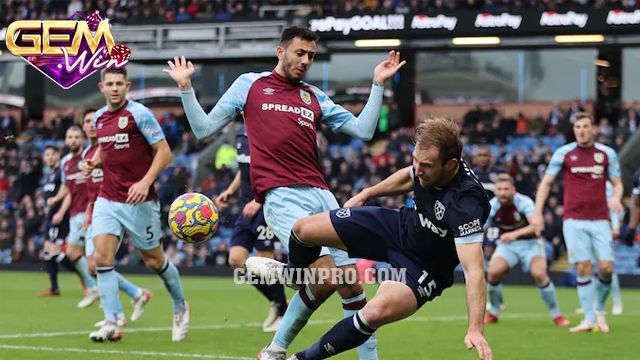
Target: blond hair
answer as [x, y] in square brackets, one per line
[442, 133]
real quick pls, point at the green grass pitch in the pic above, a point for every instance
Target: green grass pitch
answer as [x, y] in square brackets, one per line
[225, 323]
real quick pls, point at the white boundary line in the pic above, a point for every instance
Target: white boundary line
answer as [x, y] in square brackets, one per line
[252, 325]
[124, 352]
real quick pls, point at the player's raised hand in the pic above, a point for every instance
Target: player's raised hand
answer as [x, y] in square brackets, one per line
[474, 339]
[387, 68]
[251, 209]
[138, 192]
[180, 71]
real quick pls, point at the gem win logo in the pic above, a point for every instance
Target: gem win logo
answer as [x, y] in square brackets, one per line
[67, 51]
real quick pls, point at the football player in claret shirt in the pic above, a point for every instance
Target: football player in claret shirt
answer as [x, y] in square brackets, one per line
[74, 185]
[444, 229]
[586, 166]
[252, 232]
[94, 181]
[282, 115]
[132, 153]
[509, 225]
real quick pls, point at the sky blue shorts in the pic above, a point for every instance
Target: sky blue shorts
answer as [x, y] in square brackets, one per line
[284, 206]
[587, 239]
[141, 221]
[76, 234]
[520, 251]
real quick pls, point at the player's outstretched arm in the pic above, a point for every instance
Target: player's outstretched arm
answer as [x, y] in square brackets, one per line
[202, 124]
[400, 182]
[472, 260]
[59, 215]
[364, 126]
[138, 192]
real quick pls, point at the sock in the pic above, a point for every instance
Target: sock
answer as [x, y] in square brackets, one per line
[548, 295]
[615, 288]
[495, 294]
[119, 310]
[345, 335]
[295, 318]
[51, 266]
[171, 278]
[351, 306]
[603, 287]
[301, 255]
[127, 286]
[108, 290]
[82, 266]
[264, 290]
[63, 260]
[586, 294]
[276, 292]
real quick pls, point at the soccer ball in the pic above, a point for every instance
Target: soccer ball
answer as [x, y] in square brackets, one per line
[193, 218]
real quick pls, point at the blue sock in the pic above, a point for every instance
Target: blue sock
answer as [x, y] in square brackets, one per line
[300, 309]
[351, 306]
[615, 288]
[603, 287]
[82, 265]
[171, 278]
[127, 286]
[548, 295]
[586, 294]
[119, 309]
[108, 290]
[345, 335]
[495, 294]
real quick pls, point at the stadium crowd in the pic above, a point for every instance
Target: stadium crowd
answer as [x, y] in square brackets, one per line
[180, 11]
[519, 146]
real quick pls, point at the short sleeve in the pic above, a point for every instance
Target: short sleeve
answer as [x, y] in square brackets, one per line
[468, 216]
[148, 125]
[557, 159]
[525, 205]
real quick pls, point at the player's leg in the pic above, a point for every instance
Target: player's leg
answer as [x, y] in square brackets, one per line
[498, 267]
[243, 238]
[105, 245]
[75, 253]
[51, 265]
[142, 222]
[393, 301]
[602, 243]
[538, 266]
[276, 296]
[578, 243]
[616, 295]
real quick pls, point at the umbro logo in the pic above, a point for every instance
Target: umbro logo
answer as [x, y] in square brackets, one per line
[100, 126]
[329, 348]
[268, 91]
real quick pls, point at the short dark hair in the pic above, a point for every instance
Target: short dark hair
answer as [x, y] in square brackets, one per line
[113, 70]
[443, 133]
[88, 111]
[291, 32]
[52, 147]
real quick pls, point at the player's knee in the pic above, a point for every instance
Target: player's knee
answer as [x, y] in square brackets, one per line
[154, 263]
[322, 292]
[540, 277]
[236, 262]
[92, 267]
[348, 291]
[606, 268]
[584, 268]
[300, 228]
[102, 260]
[374, 314]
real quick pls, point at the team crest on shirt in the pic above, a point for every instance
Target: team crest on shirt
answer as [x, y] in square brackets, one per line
[516, 216]
[574, 157]
[439, 209]
[122, 122]
[305, 96]
[598, 157]
[343, 213]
